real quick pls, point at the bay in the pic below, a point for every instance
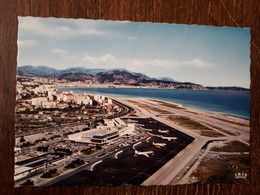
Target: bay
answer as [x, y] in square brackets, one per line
[236, 103]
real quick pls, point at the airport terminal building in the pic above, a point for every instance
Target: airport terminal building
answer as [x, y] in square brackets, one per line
[104, 134]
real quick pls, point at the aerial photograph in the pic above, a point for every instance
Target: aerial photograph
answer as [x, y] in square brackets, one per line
[109, 103]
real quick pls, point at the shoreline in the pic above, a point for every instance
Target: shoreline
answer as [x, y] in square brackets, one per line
[187, 108]
[147, 98]
[143, 87]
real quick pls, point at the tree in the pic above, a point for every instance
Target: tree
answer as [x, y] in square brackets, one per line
[22, 139]
[28, 183]
[27, 144]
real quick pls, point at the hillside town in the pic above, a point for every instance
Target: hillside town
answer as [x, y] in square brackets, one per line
[41, 104]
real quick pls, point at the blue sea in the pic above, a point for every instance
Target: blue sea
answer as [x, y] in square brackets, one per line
[236, 103]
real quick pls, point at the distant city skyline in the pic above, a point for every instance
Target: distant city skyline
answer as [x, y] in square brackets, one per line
[211, 56]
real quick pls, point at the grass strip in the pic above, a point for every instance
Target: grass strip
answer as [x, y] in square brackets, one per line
[188, 123]
[232, 122]
[233, 146]
[170, 105]
[211, 133]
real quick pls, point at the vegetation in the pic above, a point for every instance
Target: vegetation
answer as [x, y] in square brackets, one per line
[114, 149]
[55, 136]
[102, 154]
[188, 123]
[22, 139]
[50, 174]
[43, 149]
[63, 150]
[233, 146]
[75, 164]
[232, 122]
[91, 150]
[151, 107]
[170, 105]
[226, 132]
[211, 133]
[222, 170]
[28, 182]
[27, 144]
[222, 130]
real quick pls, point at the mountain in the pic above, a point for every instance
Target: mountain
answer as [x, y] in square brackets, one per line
[38, 70]
[119, 77]
[166, 79]
[77, 77]
[110, 77]
[45, 70]
[81, 70]
[128, 78]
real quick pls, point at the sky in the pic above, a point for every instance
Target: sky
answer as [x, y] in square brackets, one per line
[206, 55]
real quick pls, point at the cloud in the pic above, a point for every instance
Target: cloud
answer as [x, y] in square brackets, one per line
[197, 62]
[63, 29]
[38, 27]
[27, 43]
[171, 63]
[103, 59]
[60, 51]
[155, 62]
[85, 31]
[131, 38]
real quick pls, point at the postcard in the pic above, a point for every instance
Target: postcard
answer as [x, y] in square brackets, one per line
[131, 103]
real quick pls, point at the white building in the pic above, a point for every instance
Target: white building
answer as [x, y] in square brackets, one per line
[39, 101]
[104, 134]
[49, 104]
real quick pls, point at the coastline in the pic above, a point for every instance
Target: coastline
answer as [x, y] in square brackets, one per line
[189, 109]
[83, 85]
[201, 110]
[196, 107]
